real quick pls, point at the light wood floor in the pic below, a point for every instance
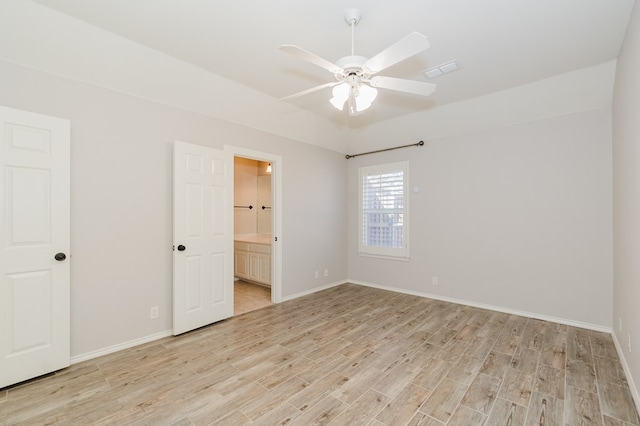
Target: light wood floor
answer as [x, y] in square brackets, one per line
[345, 356]
[249, 297]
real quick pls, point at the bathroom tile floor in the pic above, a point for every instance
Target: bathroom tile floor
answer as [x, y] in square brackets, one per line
[249, 297]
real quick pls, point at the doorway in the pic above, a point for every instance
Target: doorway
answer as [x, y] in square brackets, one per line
[257, 253]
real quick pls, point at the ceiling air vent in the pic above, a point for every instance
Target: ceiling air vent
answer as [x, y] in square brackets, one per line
[445, 68]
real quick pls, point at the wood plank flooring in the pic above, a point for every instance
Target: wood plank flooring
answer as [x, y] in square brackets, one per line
[349, 355]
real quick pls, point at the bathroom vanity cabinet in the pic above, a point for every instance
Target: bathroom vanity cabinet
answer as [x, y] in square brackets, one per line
[252, 254]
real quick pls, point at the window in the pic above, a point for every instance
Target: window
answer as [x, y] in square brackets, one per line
[383, 210]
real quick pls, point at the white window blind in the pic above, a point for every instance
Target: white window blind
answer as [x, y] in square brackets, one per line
[383, 210]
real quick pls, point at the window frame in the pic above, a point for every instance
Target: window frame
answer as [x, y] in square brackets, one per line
[377, 250]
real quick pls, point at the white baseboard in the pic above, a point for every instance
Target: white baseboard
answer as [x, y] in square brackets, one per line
[627, 372]
[120, 346]
[126, 345]
[589, 326]
[313, 290]
[131, 343]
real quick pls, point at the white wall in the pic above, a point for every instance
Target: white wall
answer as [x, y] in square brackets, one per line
[45, 39]
[245, 181]
[252, 187]
[264, 199]
[626, 201]
[582, 90]
[515, 217]
[121, 202]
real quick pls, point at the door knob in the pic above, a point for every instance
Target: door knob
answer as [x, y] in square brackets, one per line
[60, 257]
[181, 248]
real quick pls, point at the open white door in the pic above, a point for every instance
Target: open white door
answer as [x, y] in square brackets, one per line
[34, 245]
[202, 236]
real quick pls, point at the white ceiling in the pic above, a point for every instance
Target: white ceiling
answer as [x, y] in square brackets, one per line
[498, 44]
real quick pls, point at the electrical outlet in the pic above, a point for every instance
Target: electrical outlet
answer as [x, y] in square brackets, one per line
[326, 272]
[153, 312]
[317, 274]
[629, 344]
[434, 281]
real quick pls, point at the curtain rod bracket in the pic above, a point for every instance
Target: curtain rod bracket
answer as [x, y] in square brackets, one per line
[421, 143]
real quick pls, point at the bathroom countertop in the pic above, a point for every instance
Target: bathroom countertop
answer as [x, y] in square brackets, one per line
[253, 238]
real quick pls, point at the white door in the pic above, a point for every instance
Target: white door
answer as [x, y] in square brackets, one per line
[202, 236]
[34, 245]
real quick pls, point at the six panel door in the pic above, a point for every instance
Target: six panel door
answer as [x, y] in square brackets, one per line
[203, 236]
[35, 242]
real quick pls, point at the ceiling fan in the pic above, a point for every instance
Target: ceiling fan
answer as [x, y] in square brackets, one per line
[356, 79]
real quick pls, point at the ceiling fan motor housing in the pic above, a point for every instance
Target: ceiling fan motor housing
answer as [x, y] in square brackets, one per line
[352, 65]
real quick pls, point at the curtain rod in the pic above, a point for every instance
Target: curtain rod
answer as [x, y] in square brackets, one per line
[383, 150]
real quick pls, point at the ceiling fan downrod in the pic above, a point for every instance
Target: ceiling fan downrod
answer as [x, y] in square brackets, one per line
[352, 17]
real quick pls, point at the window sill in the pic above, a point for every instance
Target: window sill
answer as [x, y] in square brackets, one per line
[382, 256]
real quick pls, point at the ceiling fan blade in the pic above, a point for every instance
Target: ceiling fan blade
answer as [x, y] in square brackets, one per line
[401, 85]
[306, 92]
[310, 57]
[411, 45]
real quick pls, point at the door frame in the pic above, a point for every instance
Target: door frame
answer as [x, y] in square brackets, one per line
[276, 212]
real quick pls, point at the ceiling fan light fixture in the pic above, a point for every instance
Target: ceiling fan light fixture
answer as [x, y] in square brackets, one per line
[340, 95]
[365, 96]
